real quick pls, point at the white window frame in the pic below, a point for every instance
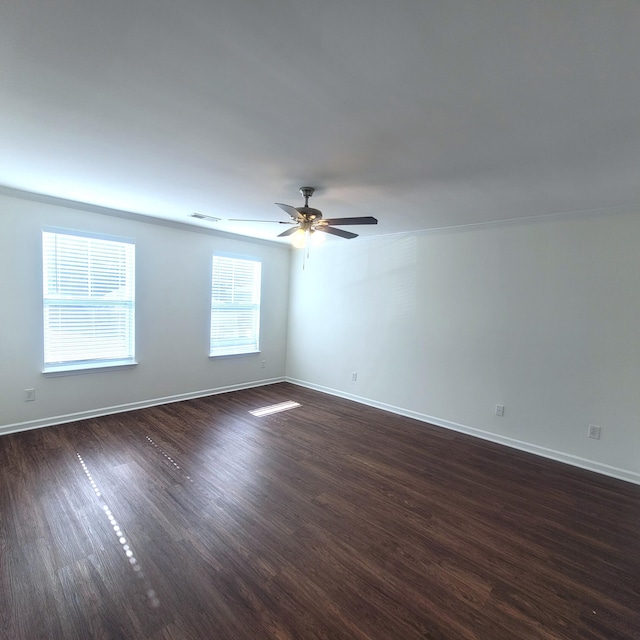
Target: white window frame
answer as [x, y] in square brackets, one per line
[236, 283]
[87, 324]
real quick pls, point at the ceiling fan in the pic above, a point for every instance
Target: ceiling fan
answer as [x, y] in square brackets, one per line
[307, 220]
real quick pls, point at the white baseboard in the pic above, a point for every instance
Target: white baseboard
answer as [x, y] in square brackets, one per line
[558, 456]
[132, 406]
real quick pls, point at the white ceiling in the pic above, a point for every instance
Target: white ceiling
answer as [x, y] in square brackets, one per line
[424, 114]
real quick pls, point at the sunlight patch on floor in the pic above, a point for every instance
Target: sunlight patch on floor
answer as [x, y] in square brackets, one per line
[274, 408]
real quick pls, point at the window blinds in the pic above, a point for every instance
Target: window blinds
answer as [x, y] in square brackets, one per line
[235, 306]
[88, 301]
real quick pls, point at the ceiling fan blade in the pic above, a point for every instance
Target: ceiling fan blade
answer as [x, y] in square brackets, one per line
[337, 232]
[292, 211]
[359, 220]
[288, 232]
[254, 220]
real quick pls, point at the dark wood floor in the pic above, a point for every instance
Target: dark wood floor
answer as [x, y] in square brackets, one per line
[332, 520]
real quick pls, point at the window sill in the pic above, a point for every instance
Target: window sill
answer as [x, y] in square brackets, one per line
[77, 369]
[233, 355]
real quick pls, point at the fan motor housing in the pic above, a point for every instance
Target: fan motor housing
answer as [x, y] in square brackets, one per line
[310, 213]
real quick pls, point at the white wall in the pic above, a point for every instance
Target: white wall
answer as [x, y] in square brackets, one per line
[173, 287]
[541, 317]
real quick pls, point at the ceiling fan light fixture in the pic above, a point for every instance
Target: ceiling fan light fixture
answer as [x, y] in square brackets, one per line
[299, 239]
[317, 238]
[306, 221]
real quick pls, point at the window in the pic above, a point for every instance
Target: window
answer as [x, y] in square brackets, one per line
[235, 306]
[88, 284]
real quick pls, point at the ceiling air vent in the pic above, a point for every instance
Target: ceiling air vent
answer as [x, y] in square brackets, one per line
[201, 216]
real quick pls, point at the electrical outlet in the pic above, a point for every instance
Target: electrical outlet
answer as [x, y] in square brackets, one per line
[354, 376]
[29, 395]
[594, 431]
[263, 364]
[500, 410]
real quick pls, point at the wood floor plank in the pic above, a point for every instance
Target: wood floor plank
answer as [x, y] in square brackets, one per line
[329, 521]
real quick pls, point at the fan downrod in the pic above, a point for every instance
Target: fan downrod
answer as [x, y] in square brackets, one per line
[306, 192]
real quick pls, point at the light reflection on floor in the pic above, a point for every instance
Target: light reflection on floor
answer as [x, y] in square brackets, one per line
[126, 548]
[169, 458]
[274, 408]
